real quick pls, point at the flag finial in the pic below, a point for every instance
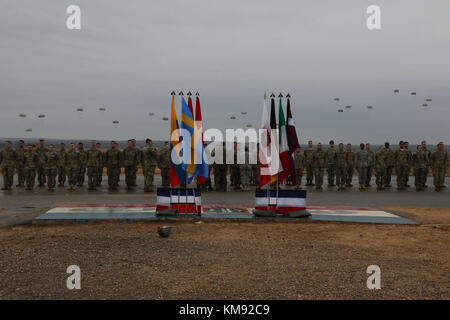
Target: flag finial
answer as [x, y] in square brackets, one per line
[288, 96]
[189, 93]
[272, 95]
[181, 93]
[197, 94]
[172, 93]
[280, 95]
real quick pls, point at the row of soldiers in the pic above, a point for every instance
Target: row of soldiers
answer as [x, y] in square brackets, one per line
[73, 163]
[340, 164]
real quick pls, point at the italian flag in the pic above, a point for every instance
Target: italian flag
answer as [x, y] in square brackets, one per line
[284, 148]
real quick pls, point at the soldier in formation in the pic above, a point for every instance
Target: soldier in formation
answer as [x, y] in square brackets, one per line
[113, 162]
[149, 158]
[71, 164]
[30, 163]
[330, 163]
[319, 164]
[299, 162]
[51, 166]
[340, 160]
[20, 164]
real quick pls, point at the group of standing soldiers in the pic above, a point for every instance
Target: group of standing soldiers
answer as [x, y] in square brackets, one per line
[340, 164]
[50, 165]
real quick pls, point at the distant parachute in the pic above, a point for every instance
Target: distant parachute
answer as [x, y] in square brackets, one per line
[340, 110]
[115, 122]
[396, 91]
[102, 109]
[28, 130]
[232, 117]
[22, 115]
[336, 99]
[151, 114]
[429, 100]
[369, 107]
[424, 105]
[348, 107]
[80, 109]
[165, 118]
[243, 112]
[41, 116]
[413, 93]
[249, 125]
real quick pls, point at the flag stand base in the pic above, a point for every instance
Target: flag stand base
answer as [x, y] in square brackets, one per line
[284, 202]
[178, 201]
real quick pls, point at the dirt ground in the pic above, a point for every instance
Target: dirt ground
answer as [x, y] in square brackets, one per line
[229, 260]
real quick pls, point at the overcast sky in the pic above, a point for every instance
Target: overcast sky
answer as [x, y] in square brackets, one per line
[129, 56]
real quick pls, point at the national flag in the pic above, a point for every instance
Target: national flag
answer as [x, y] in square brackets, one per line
[274, 144]
[269, 162]
[176, 170]
[284, 149]
[187, 124]
[201, 166]
[292, 140]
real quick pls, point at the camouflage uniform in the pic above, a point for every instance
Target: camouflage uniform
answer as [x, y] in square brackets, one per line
[235, 175]
[93, 162]
[220, 172]
[341, 168]
[130, 162]
[51, 161]
[31, 160]
[164, 166]
[420, 160]
[299, 163]
[427, 166]
[149, 159]
[113, 162]
[370, 167]
[73, 166]
[42, 152]
[439, 165]
[319, 165]
[351, 156]
[330, 160]
[410, 164]
[401, 167]
[245, 171]
[82, 167]
[380, 168]
[390, 162]
[309, 153]
[19, 166]
[362, 163]
[62, 162]
[8, 159]
[100, 168]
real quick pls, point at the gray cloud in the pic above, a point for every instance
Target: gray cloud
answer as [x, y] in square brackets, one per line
[130, 55]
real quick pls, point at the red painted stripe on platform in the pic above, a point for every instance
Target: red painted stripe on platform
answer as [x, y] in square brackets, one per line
[206, 206]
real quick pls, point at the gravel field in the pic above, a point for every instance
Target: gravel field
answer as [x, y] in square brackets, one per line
[225, 260]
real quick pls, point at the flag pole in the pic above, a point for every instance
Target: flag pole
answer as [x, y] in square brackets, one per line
[189, 94]
[170, 171]
[268, 165]
[279, 135]
[179, 187]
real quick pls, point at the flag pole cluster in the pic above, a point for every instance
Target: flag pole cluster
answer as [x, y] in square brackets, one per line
[279, 144]
[187, 150]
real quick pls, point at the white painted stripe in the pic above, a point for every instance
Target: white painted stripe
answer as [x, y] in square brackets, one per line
[353, 213]
[282, 202]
